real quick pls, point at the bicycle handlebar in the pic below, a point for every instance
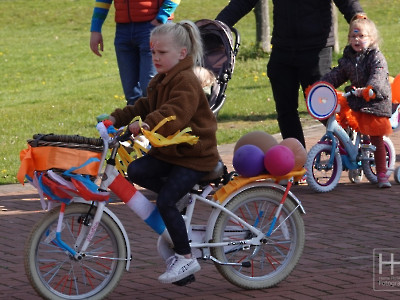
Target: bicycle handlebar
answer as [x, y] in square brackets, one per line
[124, 136]
[359, 91]
[119, 136]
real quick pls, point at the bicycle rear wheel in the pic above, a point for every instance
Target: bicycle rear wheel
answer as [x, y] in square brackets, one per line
[369, 167]
[55, 274]
[274, 259]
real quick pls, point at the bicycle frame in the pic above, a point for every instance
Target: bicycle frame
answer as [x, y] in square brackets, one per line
[86, 236]
[349, 152]
[333, 129]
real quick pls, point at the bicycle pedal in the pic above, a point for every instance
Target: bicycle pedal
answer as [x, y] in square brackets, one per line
[185, 281]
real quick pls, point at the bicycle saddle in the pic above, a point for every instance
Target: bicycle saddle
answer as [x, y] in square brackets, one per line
[216, 173]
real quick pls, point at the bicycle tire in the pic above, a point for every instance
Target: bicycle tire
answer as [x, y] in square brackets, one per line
[368, 166]
[283, 249]
[318, 176]
[55, 275]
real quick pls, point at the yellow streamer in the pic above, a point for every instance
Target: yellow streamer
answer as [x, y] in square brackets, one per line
[157, 140]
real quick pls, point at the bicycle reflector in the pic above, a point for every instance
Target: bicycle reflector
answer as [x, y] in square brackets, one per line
[321, 100]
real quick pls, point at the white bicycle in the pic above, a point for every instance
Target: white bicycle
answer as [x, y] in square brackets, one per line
[79, 250]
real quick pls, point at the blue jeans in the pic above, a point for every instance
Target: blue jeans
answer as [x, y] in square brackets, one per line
[136, 69]
[170, 182]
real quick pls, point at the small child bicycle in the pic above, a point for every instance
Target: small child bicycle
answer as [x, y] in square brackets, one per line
[337, 150]
[79, 249]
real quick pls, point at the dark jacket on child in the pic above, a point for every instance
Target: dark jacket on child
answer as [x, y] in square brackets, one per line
[368, 68]
[177, 93]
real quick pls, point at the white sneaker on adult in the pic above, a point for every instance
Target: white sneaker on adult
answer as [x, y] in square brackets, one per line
[179, 267]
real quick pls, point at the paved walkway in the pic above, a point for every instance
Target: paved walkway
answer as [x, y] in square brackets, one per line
[343, 228]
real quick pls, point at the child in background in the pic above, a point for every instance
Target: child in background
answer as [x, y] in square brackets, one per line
[365, 66]
[172, 171]
[206, 78]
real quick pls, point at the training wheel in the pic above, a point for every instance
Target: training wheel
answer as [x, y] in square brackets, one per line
[396, 174]
[356, 175]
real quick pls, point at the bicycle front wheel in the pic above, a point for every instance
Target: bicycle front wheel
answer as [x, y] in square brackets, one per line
[278, 254]
[321, 176]
[55, 274]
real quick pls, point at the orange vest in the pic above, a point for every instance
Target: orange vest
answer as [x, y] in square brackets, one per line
[127, 11]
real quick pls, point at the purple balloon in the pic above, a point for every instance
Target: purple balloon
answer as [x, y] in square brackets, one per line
[248, 160]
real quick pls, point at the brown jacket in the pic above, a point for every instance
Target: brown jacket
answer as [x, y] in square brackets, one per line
[177, 93]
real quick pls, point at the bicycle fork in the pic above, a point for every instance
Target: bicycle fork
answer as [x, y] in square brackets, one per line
[85, 235]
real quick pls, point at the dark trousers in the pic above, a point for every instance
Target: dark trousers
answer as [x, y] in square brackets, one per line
[287, 71]
[171, 182]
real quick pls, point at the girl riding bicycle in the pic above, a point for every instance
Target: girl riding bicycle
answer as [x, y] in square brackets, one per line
[365, 66]
[172, 171]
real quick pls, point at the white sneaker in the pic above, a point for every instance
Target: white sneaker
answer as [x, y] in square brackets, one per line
[179, 267]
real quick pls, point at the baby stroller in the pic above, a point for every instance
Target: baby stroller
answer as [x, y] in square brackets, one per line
[221, 45]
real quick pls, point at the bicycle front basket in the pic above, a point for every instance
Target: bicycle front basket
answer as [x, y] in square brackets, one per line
[61, 152]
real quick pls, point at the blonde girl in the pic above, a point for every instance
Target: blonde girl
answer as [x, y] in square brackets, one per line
[365, 66]
[172, 171]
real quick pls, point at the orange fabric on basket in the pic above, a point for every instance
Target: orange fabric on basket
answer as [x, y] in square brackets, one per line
[45, 158]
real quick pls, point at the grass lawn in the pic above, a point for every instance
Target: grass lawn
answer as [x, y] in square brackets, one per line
[52, 83]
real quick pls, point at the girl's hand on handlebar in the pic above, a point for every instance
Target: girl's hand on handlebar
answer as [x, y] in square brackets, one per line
[367, 93]
[135, 128]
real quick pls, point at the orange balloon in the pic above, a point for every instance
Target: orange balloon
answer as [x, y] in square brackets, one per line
[396, 89]
[261, 139]
[300, 154]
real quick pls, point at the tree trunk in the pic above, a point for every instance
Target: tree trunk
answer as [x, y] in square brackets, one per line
[263, 36]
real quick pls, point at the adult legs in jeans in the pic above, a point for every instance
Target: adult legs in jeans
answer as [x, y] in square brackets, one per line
[132, 48]
[171, 182]
[287, 71]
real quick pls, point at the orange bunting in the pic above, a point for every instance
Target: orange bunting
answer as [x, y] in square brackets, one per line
[396, 89]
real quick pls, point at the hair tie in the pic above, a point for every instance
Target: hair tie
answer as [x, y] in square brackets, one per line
[359, 16]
